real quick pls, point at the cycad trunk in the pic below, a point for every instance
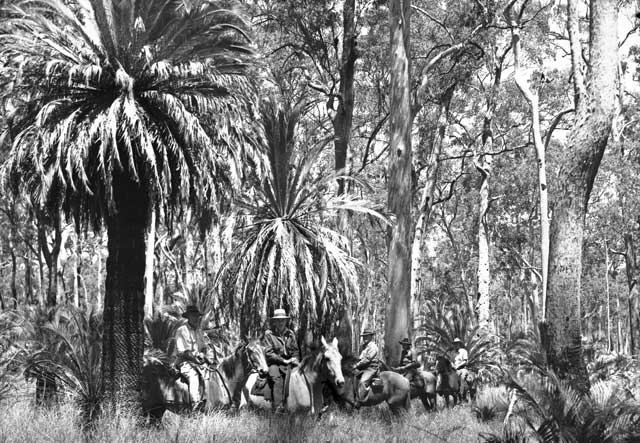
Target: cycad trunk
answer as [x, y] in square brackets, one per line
[633, 279]
[399, 193]
[123, 342]
[588, 140]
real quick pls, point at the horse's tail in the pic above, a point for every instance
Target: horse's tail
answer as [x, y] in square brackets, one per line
[407, 400]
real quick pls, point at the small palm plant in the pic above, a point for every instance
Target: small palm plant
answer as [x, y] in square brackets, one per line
[289, 255]
[441, 324]
[70, 356]
[548, 409]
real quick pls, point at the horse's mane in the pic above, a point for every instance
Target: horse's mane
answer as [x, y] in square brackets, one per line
[311, 357]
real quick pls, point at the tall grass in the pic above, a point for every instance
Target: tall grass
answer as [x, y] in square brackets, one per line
[22, 423]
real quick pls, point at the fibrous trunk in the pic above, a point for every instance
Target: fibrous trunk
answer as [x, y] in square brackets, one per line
[123, 342]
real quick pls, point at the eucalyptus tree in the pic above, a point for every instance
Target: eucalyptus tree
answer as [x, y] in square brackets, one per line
[126, 107]
[595, 105]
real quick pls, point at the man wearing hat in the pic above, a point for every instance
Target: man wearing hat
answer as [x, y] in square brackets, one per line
[367, 364]
[461, 358]
[409, 363]
[192, 352]
[281, 352]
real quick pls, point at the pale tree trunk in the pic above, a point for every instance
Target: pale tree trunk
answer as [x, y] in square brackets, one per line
[578, 169]
[150, 242]
[426, 199]
[483, 165]
[608, 293]
[532, 98]
[399, 190]
[633, 278]
[484, 273]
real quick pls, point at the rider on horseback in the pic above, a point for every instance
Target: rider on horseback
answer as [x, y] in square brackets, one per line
[367, 364]
[192, 353]
[409, 364]
[461, 358]
[281, 352]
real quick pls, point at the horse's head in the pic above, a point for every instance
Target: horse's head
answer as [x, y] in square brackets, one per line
[254, 355]
[332, 361]
[443, 364]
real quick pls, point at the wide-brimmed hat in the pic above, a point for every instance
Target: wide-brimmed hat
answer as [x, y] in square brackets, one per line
[279, 314]
[457, 341]
[191, 309]
[367, 333]
[405, 341]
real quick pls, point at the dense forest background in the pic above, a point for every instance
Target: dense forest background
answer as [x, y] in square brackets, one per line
[395, 187]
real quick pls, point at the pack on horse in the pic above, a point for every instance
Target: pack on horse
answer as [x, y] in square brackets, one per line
[163, 387]
[447, 380]
[303, 386]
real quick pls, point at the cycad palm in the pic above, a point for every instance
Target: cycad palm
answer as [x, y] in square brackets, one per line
[123, 106]
[289, 256]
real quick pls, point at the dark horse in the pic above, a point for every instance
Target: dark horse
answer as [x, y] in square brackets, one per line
[164, 389]
[448, 381]
[395, 389]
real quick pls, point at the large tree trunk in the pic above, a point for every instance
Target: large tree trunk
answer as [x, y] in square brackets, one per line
[342, 121]
[633, 278]
[399, 193]
[123, 341]
[581, 159]
[426, 199]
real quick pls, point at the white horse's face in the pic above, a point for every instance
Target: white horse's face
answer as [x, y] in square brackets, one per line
[333, 361]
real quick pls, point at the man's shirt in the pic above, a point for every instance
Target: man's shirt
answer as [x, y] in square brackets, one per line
[368, 355]
[461, 358]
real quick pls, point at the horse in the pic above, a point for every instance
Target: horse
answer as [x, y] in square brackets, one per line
[304, 386]
[396, 391]
[468, 386]
[448, 381]
[163, 388]
[424, 389]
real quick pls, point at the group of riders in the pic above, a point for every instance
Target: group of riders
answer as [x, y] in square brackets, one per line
[282, 354]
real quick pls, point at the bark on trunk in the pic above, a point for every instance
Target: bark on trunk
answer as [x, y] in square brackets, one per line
[123, 342]
[342, 121]
[633, 278]
[588, 140]
[399, 191]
